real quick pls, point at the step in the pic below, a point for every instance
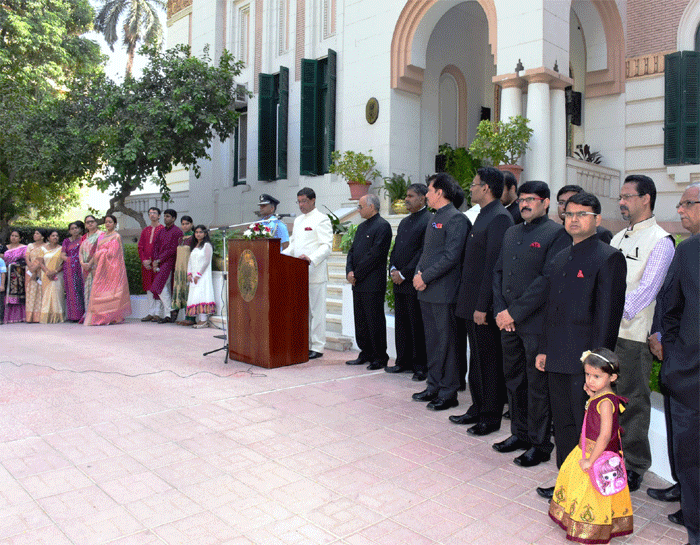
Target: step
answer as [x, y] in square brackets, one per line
[334, 323]
[334, 306]
[340, 343]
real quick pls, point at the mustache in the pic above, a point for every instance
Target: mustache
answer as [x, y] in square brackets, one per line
[526, 209]
[624, 208]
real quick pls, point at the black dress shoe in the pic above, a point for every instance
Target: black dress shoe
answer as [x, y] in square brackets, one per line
[376, 365]
[397, 369]
[419, 376]
[482, 428]
[425, 395]
[677, 518]
[464, 419]
[313, 354]
[634, 480]
[439, 404]
[511, 444]
[672, 493]
[547, 493]
[532, 458]
[358, 361]
[165, 320]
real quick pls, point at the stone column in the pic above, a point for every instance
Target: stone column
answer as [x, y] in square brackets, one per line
[537, 157]
[511, 95]
[558, 136]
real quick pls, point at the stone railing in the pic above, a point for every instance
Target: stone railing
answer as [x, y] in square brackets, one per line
[601, 181]
[646, 65]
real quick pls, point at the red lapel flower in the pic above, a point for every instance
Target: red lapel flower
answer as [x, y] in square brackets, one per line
[535, 245]
[308, 229]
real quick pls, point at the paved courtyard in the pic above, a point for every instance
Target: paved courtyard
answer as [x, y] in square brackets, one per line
[128, 435]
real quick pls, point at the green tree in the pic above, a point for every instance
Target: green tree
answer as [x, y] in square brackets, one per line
[169, 116]
[45, 66]
[139, 21]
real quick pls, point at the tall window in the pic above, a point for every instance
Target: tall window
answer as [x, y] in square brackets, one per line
[283, 26]
[682, 108]
[240, 150]
[328, 18]
[273, 108]
[244, 34]
[318, 83]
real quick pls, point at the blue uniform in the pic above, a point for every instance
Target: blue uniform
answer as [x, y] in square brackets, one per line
[279, 229]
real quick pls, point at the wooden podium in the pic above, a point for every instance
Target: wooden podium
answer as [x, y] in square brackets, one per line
[268, 307]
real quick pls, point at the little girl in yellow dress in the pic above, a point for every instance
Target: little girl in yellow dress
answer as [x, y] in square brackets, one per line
[587, 515]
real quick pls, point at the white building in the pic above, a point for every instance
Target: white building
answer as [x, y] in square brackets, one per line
[435, 68]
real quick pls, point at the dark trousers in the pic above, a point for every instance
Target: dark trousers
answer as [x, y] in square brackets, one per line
[528, 390]
[669, 435]
[486, 371]
[370, 325]
[686, 451]
[409, 333]
[443, 369]
[568, 406]
[633, 383]
[462, 360]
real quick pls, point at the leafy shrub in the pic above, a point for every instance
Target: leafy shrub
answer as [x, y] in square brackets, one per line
[133, 268]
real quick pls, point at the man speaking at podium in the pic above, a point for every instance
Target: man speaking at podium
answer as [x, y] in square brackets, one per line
[311, 240]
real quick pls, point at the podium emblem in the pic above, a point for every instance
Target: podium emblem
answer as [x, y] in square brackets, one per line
[247, 275]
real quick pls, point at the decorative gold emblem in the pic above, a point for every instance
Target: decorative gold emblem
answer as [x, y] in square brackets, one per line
[372, 110]
[247, 275]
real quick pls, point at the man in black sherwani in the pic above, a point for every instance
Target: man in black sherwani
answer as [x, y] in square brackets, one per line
[366, 271]
[437, 281]
[408, 322]
[475, 304]
[518, 303]
[586, 297]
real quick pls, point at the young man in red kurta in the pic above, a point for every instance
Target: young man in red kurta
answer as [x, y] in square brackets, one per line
[146, 242]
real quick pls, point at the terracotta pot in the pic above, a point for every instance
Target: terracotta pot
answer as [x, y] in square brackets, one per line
[337, 239]
[516, 170]
[358, 190]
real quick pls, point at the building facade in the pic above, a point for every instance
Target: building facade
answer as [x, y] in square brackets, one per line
[401, 77]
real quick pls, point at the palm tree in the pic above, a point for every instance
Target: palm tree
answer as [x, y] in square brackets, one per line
[140, 23]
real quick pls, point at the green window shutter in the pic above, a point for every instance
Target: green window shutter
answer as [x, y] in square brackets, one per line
[309, 113]
[672, 106]
[236, 136]
[329, 110]
[690, 108]
[267, 128]
[282, 122]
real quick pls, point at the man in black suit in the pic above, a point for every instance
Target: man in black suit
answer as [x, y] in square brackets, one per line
[366, 271]
[509, 199]
[585, 300]
[475, 304]
[437, 281]
[563, 195]
[518, 303]
[408, 245]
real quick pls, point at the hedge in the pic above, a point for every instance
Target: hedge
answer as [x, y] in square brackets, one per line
[133, 268]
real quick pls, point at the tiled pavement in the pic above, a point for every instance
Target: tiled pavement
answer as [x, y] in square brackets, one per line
[128, 435]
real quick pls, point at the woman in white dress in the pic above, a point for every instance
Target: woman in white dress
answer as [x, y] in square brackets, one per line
[200, 299]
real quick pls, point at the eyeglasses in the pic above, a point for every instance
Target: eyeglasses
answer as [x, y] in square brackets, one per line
[686, 204]
[578, 215]
[482, 183]
[529, 200]
[628, 196]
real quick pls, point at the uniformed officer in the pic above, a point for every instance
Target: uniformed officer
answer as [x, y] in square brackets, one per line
[268, 207]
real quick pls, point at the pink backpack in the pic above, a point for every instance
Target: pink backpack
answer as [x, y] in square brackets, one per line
[608, 475]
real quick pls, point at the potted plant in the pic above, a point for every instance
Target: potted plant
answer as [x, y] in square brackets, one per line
[461, 165]
[395, 187]
[339, 229]
[347, 238]
[502, 144]
[358, 170]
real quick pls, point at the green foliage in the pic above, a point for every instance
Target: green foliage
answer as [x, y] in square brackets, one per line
[45, 70]
[348, 238]
[395, 186]
[654, 378]
[169, 116]
[461, 165]
[338, 227]
[217, 240]
[389, 294]
[584, 153]
[499, 143]
[354, 166]
[133, 268]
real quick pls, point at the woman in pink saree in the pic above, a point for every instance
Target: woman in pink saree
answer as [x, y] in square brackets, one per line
[110, 300]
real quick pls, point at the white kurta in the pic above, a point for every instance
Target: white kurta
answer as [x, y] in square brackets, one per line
[200, 299]
[312, 236]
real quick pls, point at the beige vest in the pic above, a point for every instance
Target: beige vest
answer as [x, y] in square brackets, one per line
[636, 244]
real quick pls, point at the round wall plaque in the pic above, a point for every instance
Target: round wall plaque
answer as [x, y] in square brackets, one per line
[247, 275]
[372, 110]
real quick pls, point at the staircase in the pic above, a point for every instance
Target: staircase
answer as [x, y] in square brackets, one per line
[335, 340]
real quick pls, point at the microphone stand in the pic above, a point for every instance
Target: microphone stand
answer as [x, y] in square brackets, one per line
[224, 298]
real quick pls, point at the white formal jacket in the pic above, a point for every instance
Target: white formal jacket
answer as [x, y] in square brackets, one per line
[312, 235]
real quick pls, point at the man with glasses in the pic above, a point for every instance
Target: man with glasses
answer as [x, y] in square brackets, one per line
[365, 269]
[518, 304]
[585, 299]
[563, 195]
[311, 240]
[648, 250]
